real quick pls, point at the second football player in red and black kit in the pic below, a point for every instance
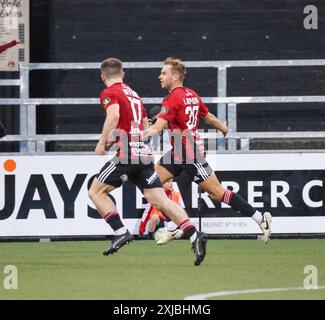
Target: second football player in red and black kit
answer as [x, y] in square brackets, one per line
[181, 110]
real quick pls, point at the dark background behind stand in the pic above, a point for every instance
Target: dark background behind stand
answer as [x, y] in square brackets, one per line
[142, 30]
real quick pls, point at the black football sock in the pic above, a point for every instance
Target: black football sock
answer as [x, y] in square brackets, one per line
[238, 203]
[189, 230]
[114, 220]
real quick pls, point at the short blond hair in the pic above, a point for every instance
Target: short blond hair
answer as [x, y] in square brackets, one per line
[111, 67]
[177, 66]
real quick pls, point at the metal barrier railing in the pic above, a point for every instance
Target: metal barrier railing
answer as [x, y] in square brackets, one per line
[30, 142]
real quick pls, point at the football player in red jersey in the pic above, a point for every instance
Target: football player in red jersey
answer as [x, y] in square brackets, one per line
[182, 109]
[126, 116]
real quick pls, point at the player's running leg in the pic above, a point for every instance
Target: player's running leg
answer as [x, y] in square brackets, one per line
[163, 173]
[173, 232]
[159, 200]
[219, 193]
[107, 209]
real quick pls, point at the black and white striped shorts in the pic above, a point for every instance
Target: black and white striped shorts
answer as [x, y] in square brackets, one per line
[197, 171]
[142, 175]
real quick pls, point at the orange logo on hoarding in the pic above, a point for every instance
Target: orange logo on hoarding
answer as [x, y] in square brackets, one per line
[10, 165]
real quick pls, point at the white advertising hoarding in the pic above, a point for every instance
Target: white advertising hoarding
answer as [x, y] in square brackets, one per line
[48, 195]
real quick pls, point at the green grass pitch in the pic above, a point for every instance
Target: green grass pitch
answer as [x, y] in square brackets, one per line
[143, 270]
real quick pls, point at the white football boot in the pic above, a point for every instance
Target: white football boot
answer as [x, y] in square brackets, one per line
[170, 235]
[266, 226]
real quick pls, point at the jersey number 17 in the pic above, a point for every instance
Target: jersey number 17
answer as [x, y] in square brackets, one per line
[136, 109]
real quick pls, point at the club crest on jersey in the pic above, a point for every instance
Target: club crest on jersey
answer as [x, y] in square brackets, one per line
[106, 101]
[164, 110]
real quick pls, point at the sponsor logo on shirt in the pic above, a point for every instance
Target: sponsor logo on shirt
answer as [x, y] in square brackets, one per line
[106, 101]
[164, 110]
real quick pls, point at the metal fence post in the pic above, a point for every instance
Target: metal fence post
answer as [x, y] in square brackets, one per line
[25, 117]
[222, 107]
[244, 144]
[232, 123]
[31, 127]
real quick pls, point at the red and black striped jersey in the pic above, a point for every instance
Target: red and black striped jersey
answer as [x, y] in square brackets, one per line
[132, 113]
[183, 108]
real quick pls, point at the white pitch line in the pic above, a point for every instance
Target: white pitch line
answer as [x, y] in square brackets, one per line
[205, 296]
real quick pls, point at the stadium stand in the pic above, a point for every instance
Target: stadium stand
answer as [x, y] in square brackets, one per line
[228, 30]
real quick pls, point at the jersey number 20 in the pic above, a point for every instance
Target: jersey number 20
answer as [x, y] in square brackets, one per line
[192, 111]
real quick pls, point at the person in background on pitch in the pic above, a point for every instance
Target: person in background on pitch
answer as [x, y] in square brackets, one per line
[182, 109]
[126, 118]
[156, 219]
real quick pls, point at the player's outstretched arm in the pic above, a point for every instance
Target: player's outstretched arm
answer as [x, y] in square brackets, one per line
[111, 121]
[214, 122]
[145, 123]
[155, 128]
